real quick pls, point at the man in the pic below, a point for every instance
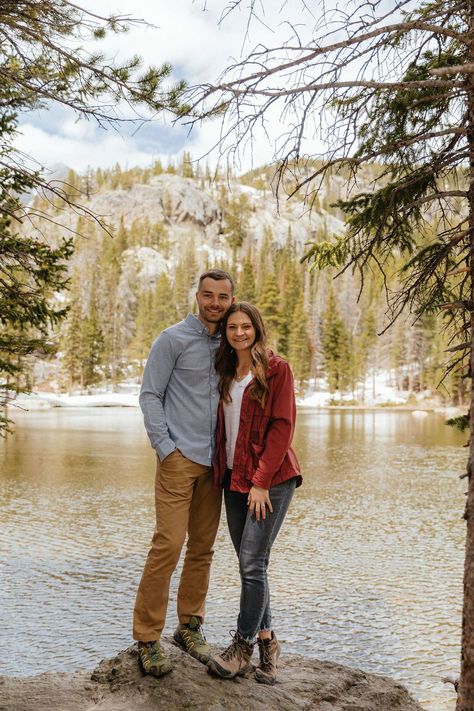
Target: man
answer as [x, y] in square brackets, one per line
[179, 400]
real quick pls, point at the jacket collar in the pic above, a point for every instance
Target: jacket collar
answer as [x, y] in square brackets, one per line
[273, 361]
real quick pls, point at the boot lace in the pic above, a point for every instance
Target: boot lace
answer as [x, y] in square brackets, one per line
[236, 648]
[193, 637]
[155, 651]
[266, 662]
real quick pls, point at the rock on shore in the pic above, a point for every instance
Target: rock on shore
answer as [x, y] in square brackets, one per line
[117, 684]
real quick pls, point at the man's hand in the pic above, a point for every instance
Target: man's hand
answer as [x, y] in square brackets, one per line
[257, 500]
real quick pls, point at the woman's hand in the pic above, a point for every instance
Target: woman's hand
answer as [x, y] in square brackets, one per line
[257, 500]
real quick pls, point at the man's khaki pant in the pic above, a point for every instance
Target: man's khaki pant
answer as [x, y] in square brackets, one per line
[186, 501]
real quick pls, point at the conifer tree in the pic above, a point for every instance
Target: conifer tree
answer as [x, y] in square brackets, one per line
[292, 295]
[185, 277]
[156, 311]
[299, 352]
[246, 288]
[435, 357]
[71, 340]
[92, 351]
[144, 332]
[157, 168]
[163, 306]
[72, 187]
[367, 344]
[335, 344]
[269, 306]
[265, 258]
[110, 266]
[187, 170]
[236, 222]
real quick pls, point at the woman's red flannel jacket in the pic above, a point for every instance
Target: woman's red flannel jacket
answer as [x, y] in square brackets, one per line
[263, 456]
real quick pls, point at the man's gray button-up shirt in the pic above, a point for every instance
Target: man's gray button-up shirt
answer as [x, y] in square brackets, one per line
[179, 393]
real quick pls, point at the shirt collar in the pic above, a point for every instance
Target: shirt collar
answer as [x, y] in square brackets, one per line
[199, 327]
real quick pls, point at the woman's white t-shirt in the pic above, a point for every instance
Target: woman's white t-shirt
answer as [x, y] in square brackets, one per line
[232, 416]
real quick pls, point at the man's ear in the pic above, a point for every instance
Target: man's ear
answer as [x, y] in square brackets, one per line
[233, 300]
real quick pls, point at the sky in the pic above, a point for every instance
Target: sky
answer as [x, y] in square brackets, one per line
[188, 35]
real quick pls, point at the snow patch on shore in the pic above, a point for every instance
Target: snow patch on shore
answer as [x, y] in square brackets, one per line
[374, 393]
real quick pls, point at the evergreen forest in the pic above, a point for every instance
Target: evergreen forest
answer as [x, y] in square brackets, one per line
[164, 225]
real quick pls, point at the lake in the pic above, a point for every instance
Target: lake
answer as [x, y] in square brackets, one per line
[367, 570]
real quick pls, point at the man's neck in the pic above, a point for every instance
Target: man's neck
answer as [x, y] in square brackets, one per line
[211, 327]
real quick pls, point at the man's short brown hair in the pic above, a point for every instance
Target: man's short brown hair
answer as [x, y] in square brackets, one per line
[217, 275]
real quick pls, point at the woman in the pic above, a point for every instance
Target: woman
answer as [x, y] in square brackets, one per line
[258, 470]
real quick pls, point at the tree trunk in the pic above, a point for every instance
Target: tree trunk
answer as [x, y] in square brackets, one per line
[465, 701]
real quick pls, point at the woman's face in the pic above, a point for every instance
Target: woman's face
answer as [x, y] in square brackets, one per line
[240, 331]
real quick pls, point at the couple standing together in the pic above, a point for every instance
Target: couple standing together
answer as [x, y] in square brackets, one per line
[219, 409]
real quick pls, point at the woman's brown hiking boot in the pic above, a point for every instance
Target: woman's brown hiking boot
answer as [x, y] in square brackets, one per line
[233, 661]
[269, 650]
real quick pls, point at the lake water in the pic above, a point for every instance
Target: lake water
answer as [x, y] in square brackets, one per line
[367, 570]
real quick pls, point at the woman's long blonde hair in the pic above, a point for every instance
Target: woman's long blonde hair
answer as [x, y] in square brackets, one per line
[226, 359]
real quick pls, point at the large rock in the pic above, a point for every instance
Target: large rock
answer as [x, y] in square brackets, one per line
[168, 198]
[118, 685]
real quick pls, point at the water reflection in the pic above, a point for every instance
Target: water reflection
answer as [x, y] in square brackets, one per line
[366, 572]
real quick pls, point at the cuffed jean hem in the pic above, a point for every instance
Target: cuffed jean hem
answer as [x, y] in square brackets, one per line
[252, 541]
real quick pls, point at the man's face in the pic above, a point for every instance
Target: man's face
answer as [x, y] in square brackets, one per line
[214, 298]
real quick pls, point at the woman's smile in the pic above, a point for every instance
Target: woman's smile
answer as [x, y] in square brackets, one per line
[240, 331]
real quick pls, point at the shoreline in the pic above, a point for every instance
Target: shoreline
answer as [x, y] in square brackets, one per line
[44, 402]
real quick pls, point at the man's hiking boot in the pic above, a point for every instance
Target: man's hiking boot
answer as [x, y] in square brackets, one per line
[191, 638]
[153, 659]
[233, 661]
[269, 650]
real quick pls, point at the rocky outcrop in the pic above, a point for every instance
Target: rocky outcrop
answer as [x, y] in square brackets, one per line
[168, 198]
[118, 685]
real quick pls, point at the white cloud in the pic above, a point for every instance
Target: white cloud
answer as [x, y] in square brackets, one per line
[103, 150]
[192, 40]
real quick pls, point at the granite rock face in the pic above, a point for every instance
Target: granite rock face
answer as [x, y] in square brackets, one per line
[117, 684]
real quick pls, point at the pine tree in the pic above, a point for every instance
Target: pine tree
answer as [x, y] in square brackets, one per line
[366, 348]
[185, 278]
[265, 259]
[144, 333]
[269, 306]
[110, 266]
[335, 340]
[92, 351]
[299, 353]
[157, 168]
[292, 294]
[187, 170]
[236, 222]
[71, 339]
[163, 306]
[156, 311]
[398, 345]
[246, 288]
